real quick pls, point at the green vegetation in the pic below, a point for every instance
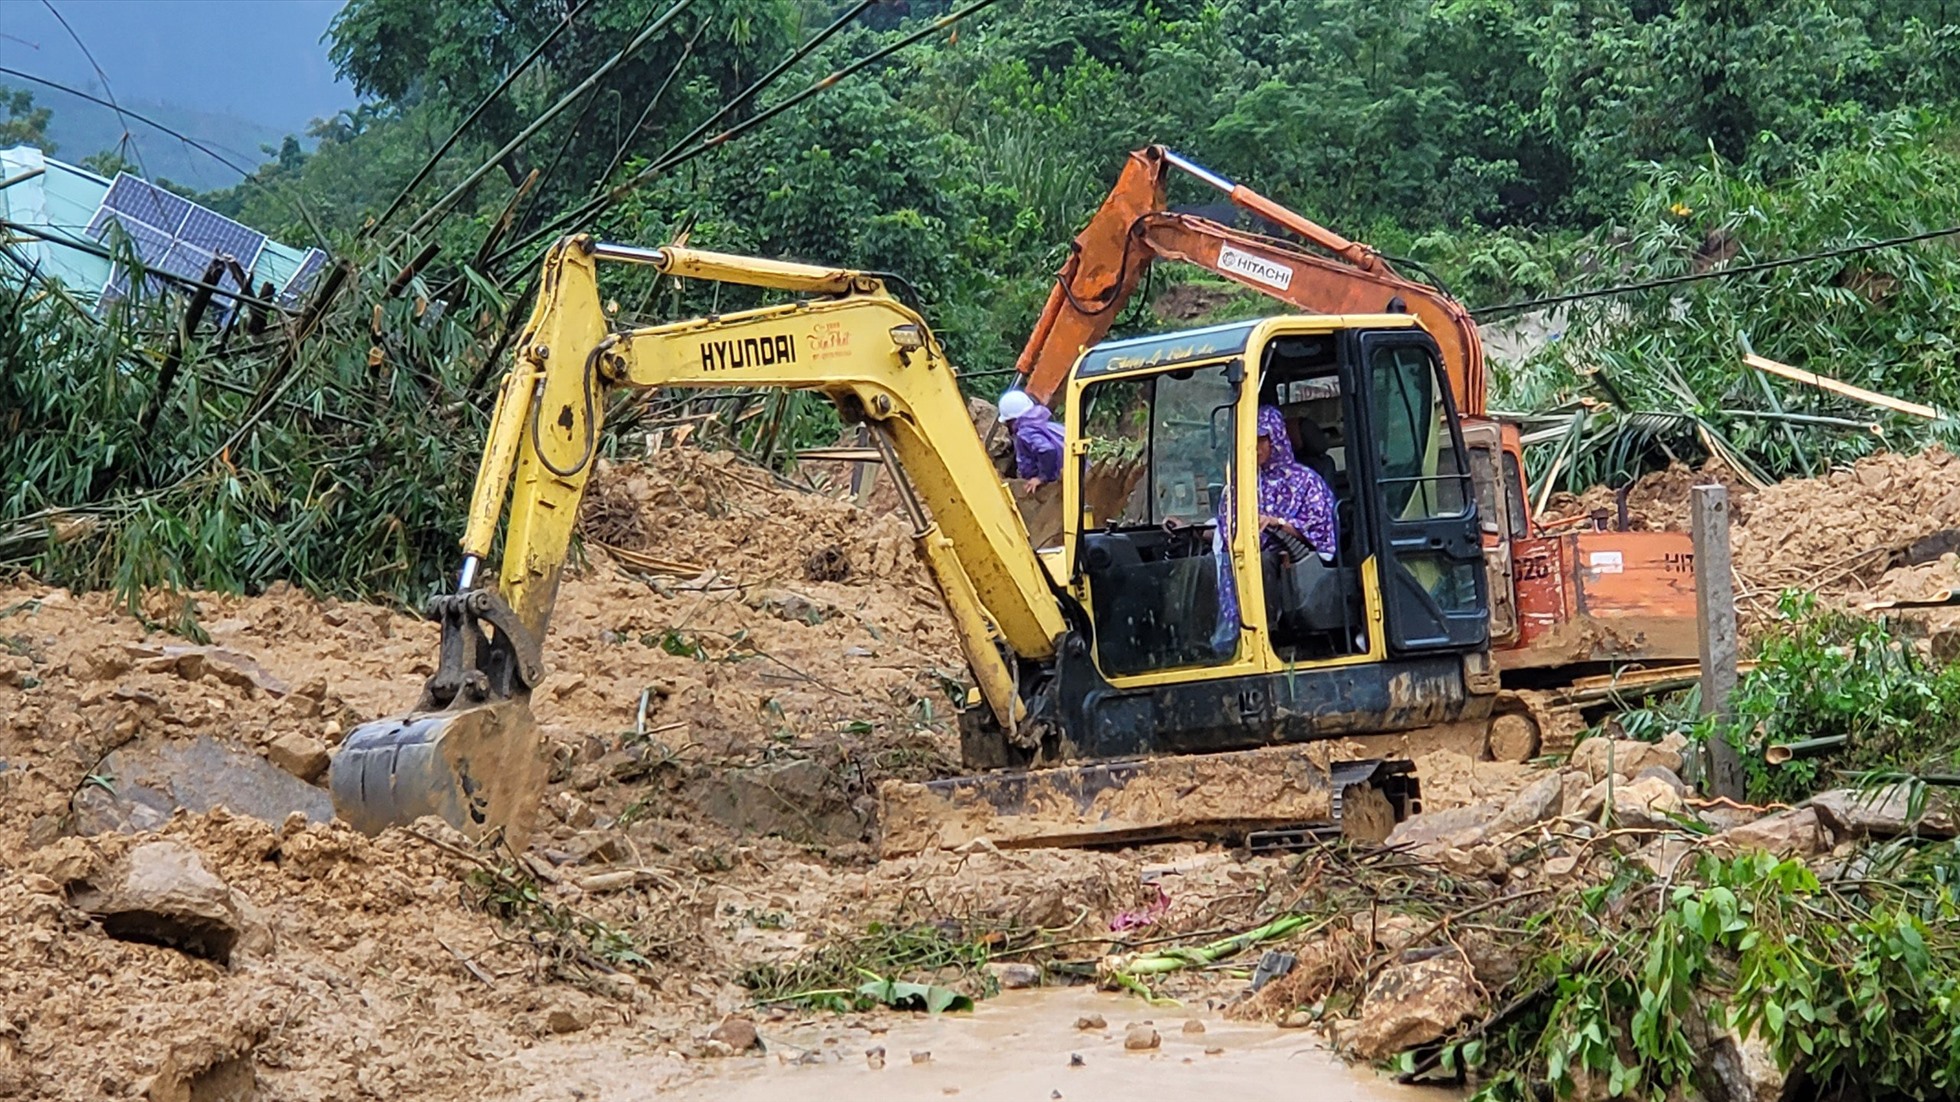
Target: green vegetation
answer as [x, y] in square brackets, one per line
[1513, 147]
[1822, 673]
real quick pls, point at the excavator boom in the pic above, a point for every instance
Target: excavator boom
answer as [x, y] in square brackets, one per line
[1134, 227]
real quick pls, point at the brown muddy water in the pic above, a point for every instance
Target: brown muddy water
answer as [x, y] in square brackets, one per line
[1018, 1047]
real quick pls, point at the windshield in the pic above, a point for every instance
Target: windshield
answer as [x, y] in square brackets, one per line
[1165, 441]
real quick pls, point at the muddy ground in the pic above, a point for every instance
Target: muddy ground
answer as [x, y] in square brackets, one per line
[736, 664]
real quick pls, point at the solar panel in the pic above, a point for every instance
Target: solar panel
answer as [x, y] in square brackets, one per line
[303, 279]
[172, 235]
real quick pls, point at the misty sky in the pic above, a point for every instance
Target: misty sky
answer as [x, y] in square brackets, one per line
[260, 59]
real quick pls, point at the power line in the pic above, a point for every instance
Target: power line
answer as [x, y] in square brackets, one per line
[509, 78]
[297, 208]
[599, 204]
[1716, 273]
[127, 138]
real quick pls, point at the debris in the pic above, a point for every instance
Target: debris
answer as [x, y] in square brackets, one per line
[161, 893]
[1885, 812]
[1410, 1004]
[1626, 757]
[1092, 1021]
[300, 754]
[1538, 801]
[1272, 965]
[1012, 975]
[1798, 832]
[1075, 1060]
[1651, 803]
[193, 663]
[737, 1032]
[1140, 1038]
[797, 799]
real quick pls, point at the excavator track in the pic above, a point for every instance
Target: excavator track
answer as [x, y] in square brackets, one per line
[1239, 795]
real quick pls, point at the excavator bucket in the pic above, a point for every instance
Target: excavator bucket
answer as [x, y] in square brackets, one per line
[481, 768]
[1263, 797]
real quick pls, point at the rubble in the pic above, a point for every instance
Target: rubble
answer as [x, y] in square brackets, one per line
[162, 893]
[1412, 1003]
[1884, 812]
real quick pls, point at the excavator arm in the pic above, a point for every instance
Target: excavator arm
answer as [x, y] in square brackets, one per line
[470, 751]
[1133, 227]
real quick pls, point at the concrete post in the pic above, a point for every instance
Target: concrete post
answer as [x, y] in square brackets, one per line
[1715, 619]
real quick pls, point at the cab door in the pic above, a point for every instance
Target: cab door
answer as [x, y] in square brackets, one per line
[1494, 493]
[1428, 539]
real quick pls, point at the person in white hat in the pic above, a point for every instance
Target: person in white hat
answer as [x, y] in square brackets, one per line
[1037, 440]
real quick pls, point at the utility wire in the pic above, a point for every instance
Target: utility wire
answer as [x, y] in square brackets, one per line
[1715, 273]
[94, 249]
[435, 213]
[297, 208]
[626, 143]
[509, 78]
[127, 138]
[600, 204]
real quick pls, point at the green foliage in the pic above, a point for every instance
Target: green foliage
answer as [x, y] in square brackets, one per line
[891, 965]
[1855, 984]
[25, 123]
[1821, 672]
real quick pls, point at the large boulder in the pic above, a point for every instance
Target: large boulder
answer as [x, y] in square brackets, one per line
[1797, 832]
[162, 894]
[1883, 812]
[1540, 800]
[140, 786]
[1650, 803]
[1625, 757]
[1413, 1003]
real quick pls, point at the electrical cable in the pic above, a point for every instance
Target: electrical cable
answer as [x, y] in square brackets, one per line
[305, 215]
[126, 143]
[1718, 273]
[602, 202]
[442, 151]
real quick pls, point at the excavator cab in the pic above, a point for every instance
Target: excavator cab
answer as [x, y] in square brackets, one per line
[1174, 571]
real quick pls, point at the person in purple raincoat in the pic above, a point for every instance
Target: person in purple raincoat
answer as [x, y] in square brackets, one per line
[1037, 440]
[1292, 496]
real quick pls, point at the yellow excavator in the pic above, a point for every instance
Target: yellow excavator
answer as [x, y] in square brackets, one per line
[1155, 674]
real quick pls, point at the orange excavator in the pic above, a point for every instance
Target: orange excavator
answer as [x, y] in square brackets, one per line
[1578, 619]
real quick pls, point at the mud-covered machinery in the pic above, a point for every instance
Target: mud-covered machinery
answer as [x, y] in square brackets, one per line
[1151, 676]
[1578, 617]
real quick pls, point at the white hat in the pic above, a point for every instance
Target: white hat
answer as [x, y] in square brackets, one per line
[1015, 404]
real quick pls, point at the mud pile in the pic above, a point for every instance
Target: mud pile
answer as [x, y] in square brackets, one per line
[1845, 533]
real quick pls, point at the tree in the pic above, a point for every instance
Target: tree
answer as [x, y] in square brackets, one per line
[25, 123]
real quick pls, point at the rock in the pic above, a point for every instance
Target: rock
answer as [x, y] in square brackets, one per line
[1745, 1069]
[301, 755]
[1642, 804]
[1663, 855]
[790, 605]
[1882, 813]
[799, 800]
[162, 894]
[1140, 1038]
[1412, 1004]
[1296, 1019]
[1665, 776]
[1474, 861]
[922, 1057]
[1013, 976]
[1092, 1021]
[874, 1057]
[1558, 868]
[1625, 757]
[142, 784]
[1536, 802]
[1193, 1025]
[1798, 832]
[1394, 932]
[564, 1019]
[195, 662]
[737, 1032]
[588, 846]
[1459, 826]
